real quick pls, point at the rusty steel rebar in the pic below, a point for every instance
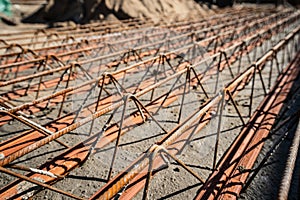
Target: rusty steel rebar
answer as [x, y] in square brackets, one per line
[222, 50]
[104, 25]
[89, 49]
[116, 184]
[177, 28]
[101, 28]
[228, 168]
[36, 75]
[290, 167]
[219, 22]
[38, 101]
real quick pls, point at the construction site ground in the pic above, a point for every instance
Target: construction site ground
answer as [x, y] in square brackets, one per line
[170, 180]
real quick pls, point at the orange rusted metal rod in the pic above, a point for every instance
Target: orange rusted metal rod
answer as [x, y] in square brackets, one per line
[4, 170]
[124, 178]
[36, 101]
[290, 166]
[144, 90]
[227, 182]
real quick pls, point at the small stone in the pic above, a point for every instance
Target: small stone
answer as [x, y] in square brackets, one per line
[176, 169]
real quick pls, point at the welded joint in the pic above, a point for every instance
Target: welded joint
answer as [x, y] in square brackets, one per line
[273, 50]
[76, 64]
[162, 57]
[106, 74]
[26, 50]
[128, 95]
[155, 149]
[85, 41]
[161, 148]
[52, 56]
[67, 38]
[40, 31]
[15, 45]
[189, 67]
[241, 169]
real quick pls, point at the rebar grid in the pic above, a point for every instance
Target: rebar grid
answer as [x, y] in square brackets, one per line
[158, 73]
[43, 99]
